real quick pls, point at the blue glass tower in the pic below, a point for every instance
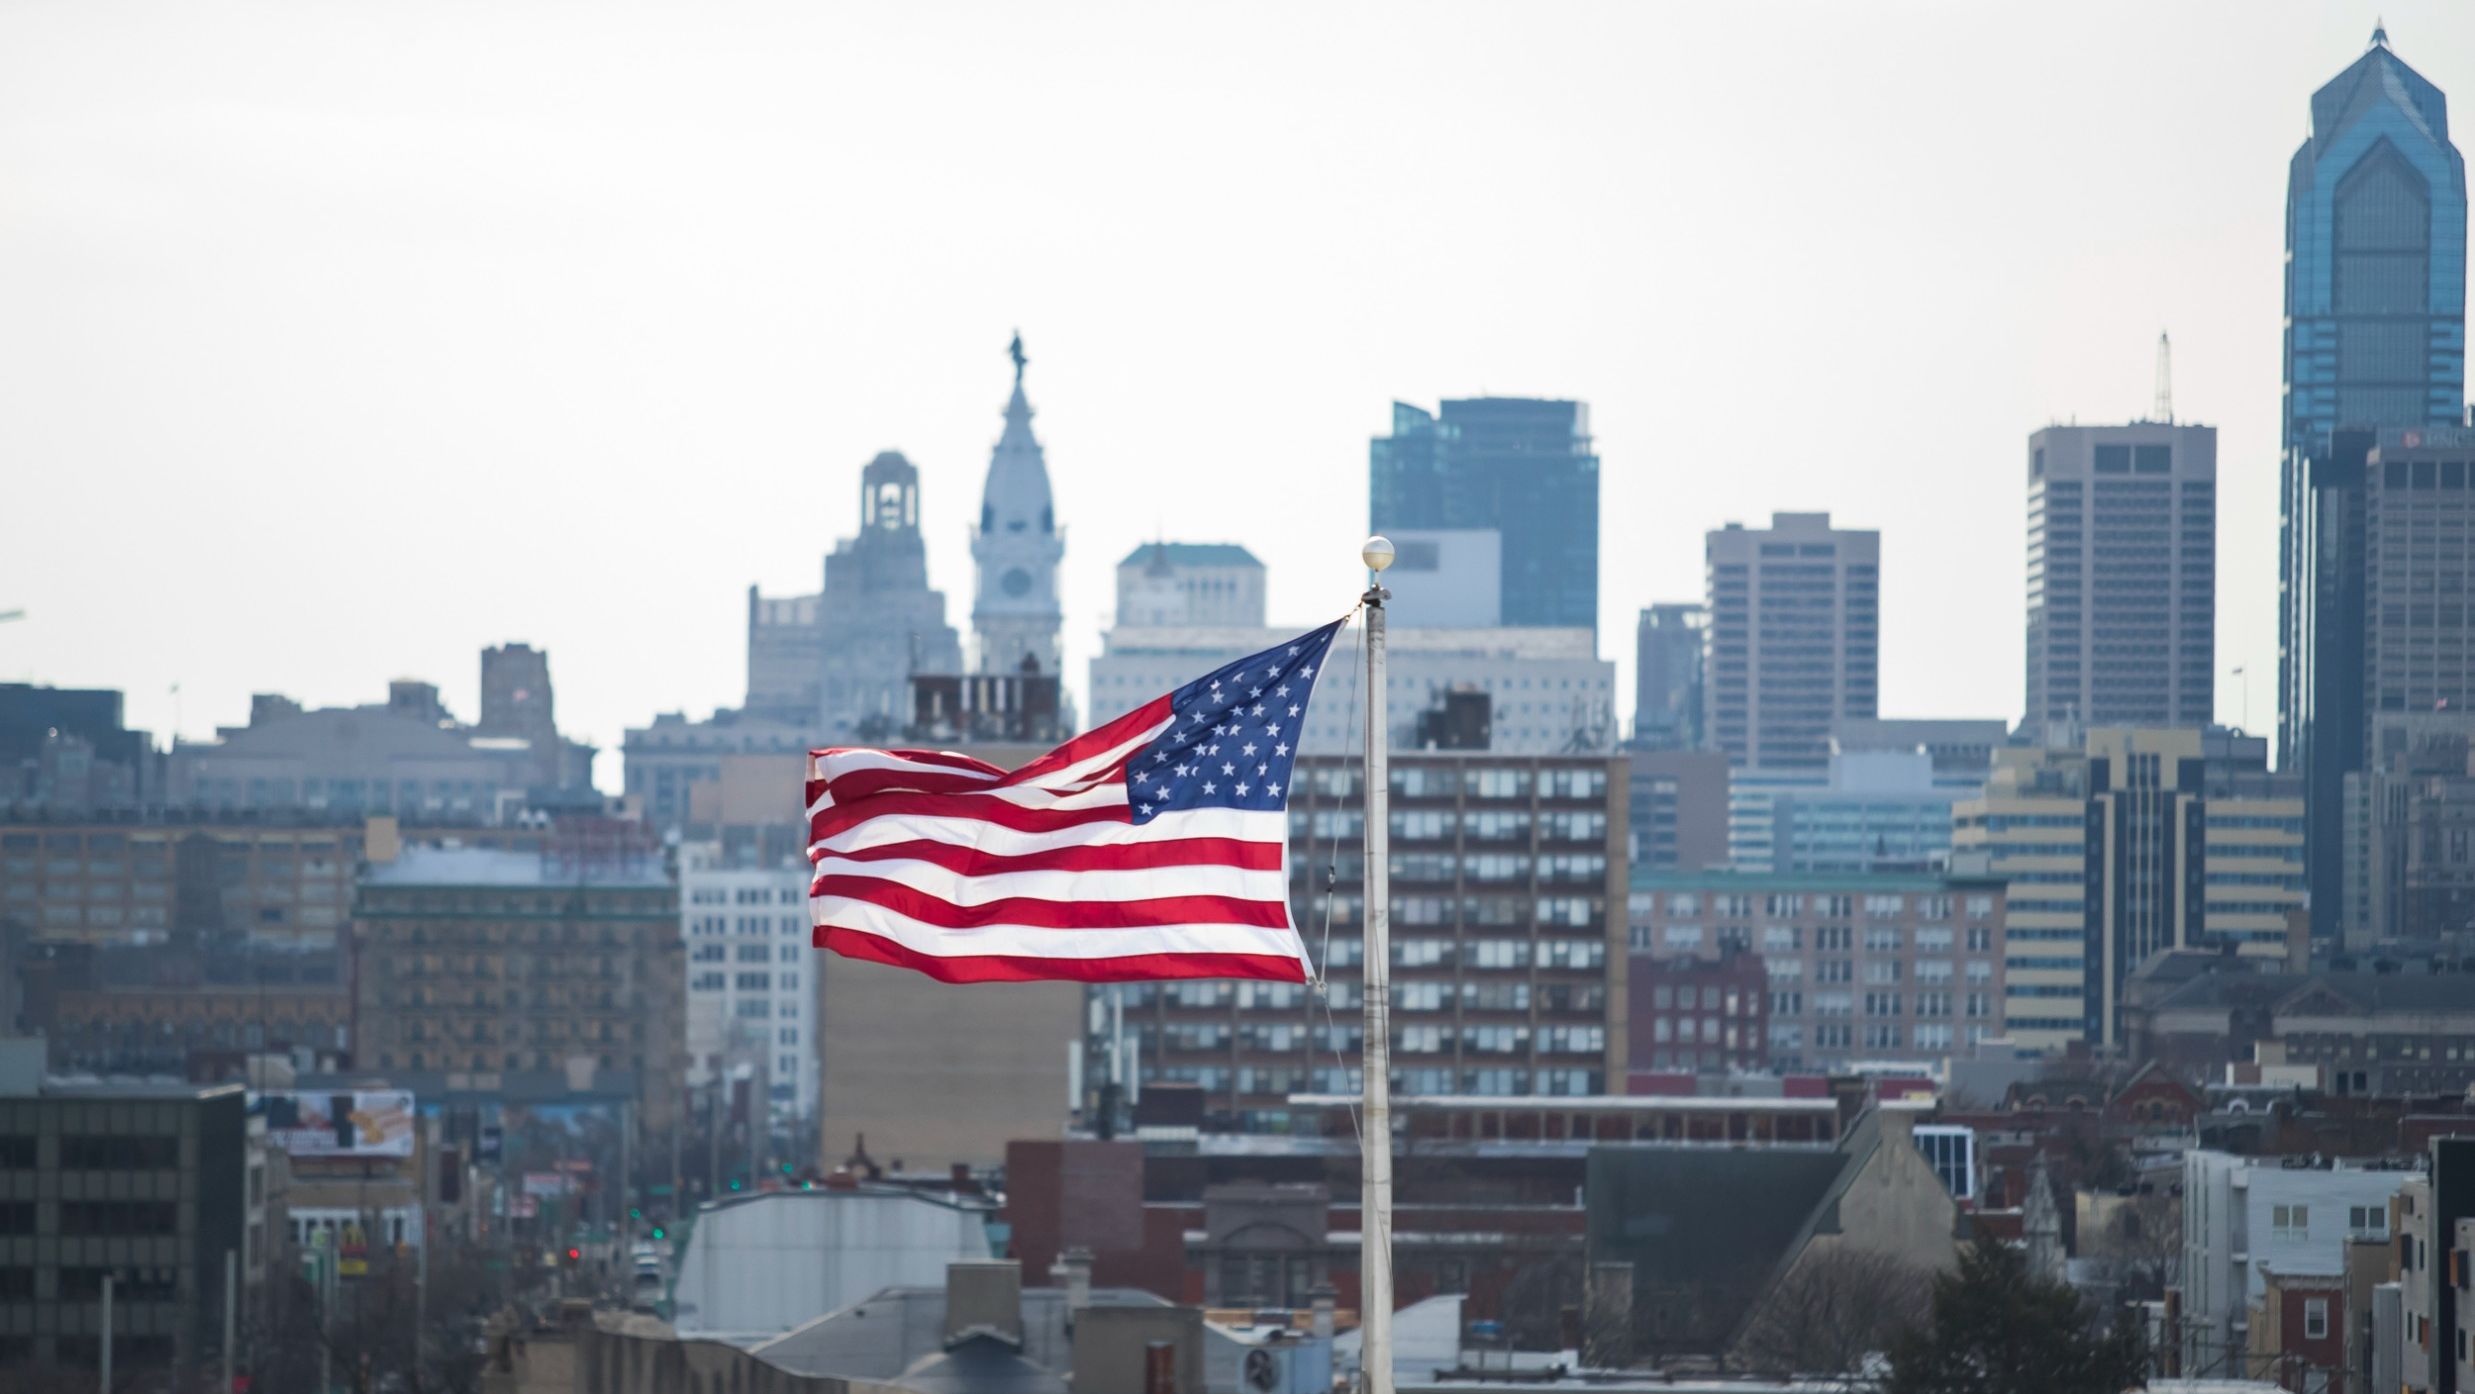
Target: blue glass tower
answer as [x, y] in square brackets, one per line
[2375, 337]
[2375, 256]
[1521, 466]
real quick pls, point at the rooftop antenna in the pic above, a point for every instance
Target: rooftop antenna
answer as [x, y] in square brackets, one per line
[2163, 410]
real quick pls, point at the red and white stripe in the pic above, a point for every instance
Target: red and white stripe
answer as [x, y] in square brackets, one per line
[968, 873]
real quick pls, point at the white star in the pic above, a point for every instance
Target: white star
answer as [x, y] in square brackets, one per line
[1263, 769]
[1281, 691]
[1147, 810]
[1254, 692]
[1220, 730]
[1306, 670]
[1293, 709]
[1274, 728]
[1207, 786]
[1258, 710]
[1293, 650]
[1216, 684]
[1241, 791]
[1273, 789]
[1249, 750]
[1228, 769]
[1198, 718]
[1160, 757]
[1281, 749]
[1142, 776]
[1181, 771]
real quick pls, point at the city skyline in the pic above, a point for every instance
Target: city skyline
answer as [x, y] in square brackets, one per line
[520, 427]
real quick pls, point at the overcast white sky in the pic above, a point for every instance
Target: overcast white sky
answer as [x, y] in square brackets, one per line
[340, 340]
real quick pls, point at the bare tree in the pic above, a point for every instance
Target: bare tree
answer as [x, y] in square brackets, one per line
[2139, 1240]
[1836, 1309]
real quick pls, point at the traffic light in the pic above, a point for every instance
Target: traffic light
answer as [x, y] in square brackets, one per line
[575, 1255]
[660, 1233]
[734, 1183]
[635, 1212]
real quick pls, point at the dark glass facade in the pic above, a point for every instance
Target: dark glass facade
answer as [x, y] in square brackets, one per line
[1519, 465]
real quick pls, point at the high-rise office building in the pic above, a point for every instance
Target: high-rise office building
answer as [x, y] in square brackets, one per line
[1667, 677]
[2375, 337]
[2122, 564]
[1795, 624]
[1015, 615]
[2130, 843]
[1522, 466]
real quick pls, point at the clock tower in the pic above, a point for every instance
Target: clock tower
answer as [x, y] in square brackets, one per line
[1016, 548]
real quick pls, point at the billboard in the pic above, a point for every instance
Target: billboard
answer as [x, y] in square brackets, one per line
[372, 1124]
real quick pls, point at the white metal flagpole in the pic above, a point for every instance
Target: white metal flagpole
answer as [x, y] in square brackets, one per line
[1375, 1141]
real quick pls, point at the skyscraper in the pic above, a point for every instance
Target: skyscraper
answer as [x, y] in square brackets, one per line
[1016, 547]
[2375, 337]
[1521, 466]
[1667, 677]
[2122, 565]
[1795, 625]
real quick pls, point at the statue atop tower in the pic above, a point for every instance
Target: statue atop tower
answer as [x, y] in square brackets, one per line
[1015, 615]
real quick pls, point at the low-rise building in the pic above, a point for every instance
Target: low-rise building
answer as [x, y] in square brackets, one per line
[2244, 1218]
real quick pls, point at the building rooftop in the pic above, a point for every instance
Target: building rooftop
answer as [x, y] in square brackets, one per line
[487, 866]
[1517, 643]
[1192, 554]
[1723, 880]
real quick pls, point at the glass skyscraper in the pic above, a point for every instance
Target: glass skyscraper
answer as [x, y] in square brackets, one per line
[1521, 466]
[2375, 337]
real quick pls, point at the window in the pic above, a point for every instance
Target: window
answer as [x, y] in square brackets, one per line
[2290, 1221]
[2368, 1221]
[2316, 1319]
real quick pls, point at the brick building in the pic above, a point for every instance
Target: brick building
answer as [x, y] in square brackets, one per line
[1863, 968]
[1695, 1014]
[478, 961]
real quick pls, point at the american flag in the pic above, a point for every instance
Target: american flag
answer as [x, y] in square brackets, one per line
[1153, 847]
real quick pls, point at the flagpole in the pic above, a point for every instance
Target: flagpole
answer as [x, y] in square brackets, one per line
[1375, 1141]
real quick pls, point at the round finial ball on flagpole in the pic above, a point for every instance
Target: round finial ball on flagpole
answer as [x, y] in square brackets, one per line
[1377, 552]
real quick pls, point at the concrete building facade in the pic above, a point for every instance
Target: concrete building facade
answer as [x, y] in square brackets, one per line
[487, 962]
[751, 997]
[1548, 691]
[1861, 969]
[2243, 1217]
[2122, 575]
[1795, 636]
[1507, 940]
[2134, 842]
[839, 662]
[1178, 585]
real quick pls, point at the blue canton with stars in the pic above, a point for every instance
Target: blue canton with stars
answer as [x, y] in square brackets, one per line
[1233, 735]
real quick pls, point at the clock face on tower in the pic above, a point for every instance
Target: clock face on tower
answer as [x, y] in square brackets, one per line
[1016, 583]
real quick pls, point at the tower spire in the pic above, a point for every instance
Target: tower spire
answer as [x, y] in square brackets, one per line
[2163, 409]
[2380, 34]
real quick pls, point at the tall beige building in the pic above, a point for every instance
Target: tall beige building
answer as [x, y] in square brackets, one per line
[1795, 631]
[2130, 842]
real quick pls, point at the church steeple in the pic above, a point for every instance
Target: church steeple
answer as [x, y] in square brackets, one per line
[1015, 614]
